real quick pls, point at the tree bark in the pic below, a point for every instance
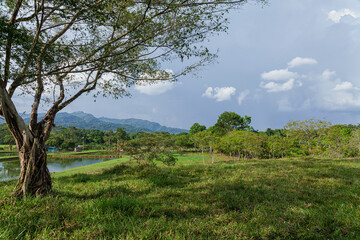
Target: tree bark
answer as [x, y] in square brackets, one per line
[212, 155]
[202, 152]
[30, 141]
[34, 177]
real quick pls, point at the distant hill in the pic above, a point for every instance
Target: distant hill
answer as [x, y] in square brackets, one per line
[88, 121]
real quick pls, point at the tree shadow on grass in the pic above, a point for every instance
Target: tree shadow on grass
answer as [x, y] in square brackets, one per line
[155, 176]
[103, 193]
[301, 203]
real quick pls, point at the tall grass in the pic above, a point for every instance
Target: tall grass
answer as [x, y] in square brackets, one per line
[248, 199]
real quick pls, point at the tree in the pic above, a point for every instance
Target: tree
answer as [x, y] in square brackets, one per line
[309, 134]
[339, 141]
[56, 51]
[5, 136]
[276, 145]
[158, 146]
[233, 143]
[183, 142]
[206, 139]
[120, 136]
[201, 139]
[109, 137]
[229, 121]
[196, 127]
[253, 144]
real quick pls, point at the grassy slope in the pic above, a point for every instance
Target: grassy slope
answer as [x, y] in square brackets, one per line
[293, 198]
[86, 152]
[7, 147]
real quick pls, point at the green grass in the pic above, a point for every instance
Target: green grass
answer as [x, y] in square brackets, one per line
[7, 157]
[6, 147]
[86, 152]
[5, 153]
[247, 199]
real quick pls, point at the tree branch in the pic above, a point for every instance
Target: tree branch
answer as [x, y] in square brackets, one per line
[9, 43]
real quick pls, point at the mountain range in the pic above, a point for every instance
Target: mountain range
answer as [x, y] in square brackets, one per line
[83, 120]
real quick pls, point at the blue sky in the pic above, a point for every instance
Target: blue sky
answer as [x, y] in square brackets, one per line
[288, 60]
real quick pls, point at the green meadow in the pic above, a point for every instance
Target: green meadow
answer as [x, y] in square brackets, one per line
[242, 199]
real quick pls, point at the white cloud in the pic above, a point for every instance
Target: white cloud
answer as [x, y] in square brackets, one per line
[343, 86]
[154, 87]
[220, 94]
[327, 74]
[279, 75]
[298, 61]
[156, 84]
[341, 100]
[242, 96]
[336, 16]
[331, 93]
[276, 87]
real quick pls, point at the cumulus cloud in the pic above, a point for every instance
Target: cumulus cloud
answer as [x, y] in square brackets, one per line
[341, 100]
[336, 16]
[278, 87]
[298, 61]
[154, 87]
[332, 93]
[343, 86]
[220, 94]
[279, 75]
[156, 84]
[242, 96]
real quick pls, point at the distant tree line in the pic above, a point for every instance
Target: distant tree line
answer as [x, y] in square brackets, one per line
[231, 135]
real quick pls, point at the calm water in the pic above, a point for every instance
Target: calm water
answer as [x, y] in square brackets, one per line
[11, 170]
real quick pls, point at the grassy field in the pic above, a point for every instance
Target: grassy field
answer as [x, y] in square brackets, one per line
[6, 147]
[247, 199]
[7, 156]
[86, 152]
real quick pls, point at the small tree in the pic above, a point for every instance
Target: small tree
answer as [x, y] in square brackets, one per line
[156, 147]
[229, 121]
[196, 127]
[202, 139]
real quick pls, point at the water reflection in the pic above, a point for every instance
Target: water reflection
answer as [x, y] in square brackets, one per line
[11, 170]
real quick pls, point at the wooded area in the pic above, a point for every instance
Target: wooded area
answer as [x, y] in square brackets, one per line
[232, 135]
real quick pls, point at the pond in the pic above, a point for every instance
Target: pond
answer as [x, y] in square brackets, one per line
[11, 169]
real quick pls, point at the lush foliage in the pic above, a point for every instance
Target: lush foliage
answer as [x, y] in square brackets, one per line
[147, 148]
[298, 138]
[229, 121]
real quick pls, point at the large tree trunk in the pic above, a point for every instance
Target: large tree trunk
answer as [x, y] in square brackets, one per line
[34, 177]
[30, 141]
